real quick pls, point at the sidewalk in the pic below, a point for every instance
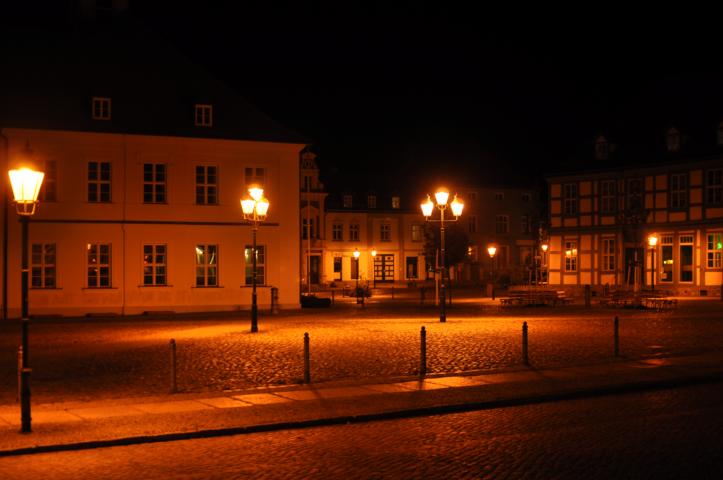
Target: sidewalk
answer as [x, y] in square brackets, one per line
[76, 425]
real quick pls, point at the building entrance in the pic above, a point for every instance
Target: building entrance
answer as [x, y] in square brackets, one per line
[384, 268]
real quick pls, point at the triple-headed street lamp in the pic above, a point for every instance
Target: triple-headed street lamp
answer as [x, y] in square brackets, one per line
[441, 197]
[652, 242]
[254, 207]
[26, 186]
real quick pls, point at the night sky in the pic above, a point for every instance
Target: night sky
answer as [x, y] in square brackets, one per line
[447, 90]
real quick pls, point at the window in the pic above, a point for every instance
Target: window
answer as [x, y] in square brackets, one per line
[260, 264]
[472, 223]
[608, 254]
[154, 265]
[206, 265]
[354, 232]
[43, 265]
[417, 234]
[608, 196]
[307, 183]
[206, 185]
[502, 257]
[49, 187]
[347, 201]
[570, 256]
[715, 246]
[372, 201]
[337, 266]
[203, 115]
[101, 108]
[713, 187]
[679, 190]
[411, 268]
[570, 198]
[673, 140]
[255, 176]
[499, 196]
[337, 232]
[154, 183]
[99, 265]
[526, 197]
[525, 224]
[395, 202]
[307, 228]
[99, 182]
[502, 224]
[686, 258]
[634, 194]
[385, 233]
[666, 258]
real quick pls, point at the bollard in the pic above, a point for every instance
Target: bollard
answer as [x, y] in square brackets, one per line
[525, 359]
[307, 363]
[616, 337]
[20, 369]
[172, 345]
[423, 353]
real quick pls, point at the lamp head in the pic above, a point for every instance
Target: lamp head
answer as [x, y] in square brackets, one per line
[441, 195]
[256, 191]
[544, 247]
[653, 240]
[457, 206]
[247, 205]
[427, 207]
[491, 250]
[26, 187]
[356, 253]
[262, 207]
[374, 252]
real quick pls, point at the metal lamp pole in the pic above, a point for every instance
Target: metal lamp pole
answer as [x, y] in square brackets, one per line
[254, 209]
[652, 241]
[441, 197]
[26, 186]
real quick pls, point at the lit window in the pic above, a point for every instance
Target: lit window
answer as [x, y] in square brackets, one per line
[395, 202]
[570, 256]
[715, 247]
[204, 115]
[206, 185]
[666, 258]
[99, 262]
[347, 201]
[206, 265]
[154, 265]
[99, 182]
[43, 265]
[101, 108]
[154, 183]
[260, 264]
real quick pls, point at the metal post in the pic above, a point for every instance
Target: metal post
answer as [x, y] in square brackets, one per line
[442, 290]
[652, 273]
[525, 359]
[307, 363]
[20, 369]
[25, 417]
[172, 345]
[254, 307]
[616, 337]
[423, 353]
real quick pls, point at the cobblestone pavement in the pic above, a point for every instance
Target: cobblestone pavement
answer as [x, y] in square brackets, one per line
[663, 434]
[93, 358]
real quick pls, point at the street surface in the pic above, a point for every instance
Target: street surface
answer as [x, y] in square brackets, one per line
[83, 359]
[663, 434]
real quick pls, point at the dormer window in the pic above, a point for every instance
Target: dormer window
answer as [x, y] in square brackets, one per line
[602, 148]
[101, 108]
[395, 202]
[204, 115]
[499, 196]
[347, 201]
[673, 140]
[372, 201]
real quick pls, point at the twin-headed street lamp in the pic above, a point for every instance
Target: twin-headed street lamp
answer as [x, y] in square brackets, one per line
[254, 207]
[652, 242]
[26, 187]
[441, 197]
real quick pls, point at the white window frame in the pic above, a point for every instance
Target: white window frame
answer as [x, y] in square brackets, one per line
[206, 261]
[337, 232]
[385, 232]
[96, 268]
[157, 184]
[608, 255]
[569, 199]
[261, 262]
[98, 181]
[43, 265]
[354, 232]
[155, 264]
[206, 185]
[714, 255]
[570, 260]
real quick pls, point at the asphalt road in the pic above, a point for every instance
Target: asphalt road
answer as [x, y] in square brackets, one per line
[663, 434]
[92, 359]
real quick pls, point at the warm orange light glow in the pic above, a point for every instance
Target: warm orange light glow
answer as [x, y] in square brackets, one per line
[262, 207]
[442, 195]
[544, 247]
[457, 206]
[26, 187]
[247, 205]
[492, 250]
[653, 240]
[356, 253]
[256, 192]
[374, 252]
[427, 207]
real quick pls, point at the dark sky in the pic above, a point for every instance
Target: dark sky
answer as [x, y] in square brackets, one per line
[455, 88]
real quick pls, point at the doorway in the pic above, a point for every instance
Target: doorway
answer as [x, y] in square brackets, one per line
[314, 263]
[384, 268]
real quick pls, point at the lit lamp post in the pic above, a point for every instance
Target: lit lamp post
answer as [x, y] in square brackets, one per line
[441, 196]
[374, 274]
[652, 242]
[356, 259]
[26, 186]
[544, 248]
[491, 250]
[254, 207]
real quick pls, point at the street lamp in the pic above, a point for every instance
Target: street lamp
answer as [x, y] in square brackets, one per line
[374, 273]
[26, 186]
[254, 208]
[441, 197]
[652, 242]
[356, 258]
[544, 248]
[492, 250]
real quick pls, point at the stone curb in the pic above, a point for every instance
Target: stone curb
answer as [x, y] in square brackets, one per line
[571, 394]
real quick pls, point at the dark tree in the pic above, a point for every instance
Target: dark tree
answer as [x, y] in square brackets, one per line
[456, 243]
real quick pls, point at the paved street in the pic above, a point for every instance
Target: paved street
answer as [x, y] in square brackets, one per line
[92, 358]
[663, 434]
